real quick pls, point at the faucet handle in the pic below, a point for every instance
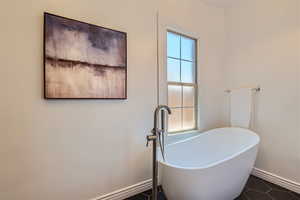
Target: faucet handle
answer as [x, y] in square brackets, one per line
[150, 138]
[153, 131]
[157, 131]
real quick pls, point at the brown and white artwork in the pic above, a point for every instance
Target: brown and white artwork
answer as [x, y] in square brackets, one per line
[83, 60]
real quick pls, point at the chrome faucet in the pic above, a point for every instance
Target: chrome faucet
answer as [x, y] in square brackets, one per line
[158, 133]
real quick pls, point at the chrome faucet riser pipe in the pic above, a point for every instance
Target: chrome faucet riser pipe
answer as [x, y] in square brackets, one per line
[157, 133]
[154, 171]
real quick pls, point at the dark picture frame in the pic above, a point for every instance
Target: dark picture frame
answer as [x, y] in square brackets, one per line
[83, 61]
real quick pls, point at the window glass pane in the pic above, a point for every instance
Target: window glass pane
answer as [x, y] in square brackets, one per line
[187, 72]
[174, 123]
[174, 96]
[188, 118]
[173, 45]
[173, 70]
[188, 96]
[187, 49]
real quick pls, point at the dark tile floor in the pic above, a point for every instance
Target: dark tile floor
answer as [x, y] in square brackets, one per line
[256, 189]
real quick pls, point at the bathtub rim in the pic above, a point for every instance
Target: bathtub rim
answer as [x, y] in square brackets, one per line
[213, 164]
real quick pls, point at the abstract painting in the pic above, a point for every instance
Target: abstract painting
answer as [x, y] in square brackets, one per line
[83, 61]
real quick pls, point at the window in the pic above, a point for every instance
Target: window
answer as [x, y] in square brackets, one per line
[182, 82]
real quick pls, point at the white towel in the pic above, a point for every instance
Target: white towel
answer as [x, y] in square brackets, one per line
[241, 107]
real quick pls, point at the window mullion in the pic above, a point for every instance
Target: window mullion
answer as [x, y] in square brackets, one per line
[183, 84]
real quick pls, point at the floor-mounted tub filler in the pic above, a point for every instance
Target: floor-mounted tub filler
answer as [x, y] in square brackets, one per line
[212, 166]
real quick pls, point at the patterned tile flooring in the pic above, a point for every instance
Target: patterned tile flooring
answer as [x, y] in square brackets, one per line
[256, 189]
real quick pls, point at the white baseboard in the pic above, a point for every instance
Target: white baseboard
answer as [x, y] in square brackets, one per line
[285, 183]
[127, 192]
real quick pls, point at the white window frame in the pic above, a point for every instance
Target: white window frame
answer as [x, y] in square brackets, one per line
[195, 84]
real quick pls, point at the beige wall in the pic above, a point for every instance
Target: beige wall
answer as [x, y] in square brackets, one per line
[67, 149]
[263, 48]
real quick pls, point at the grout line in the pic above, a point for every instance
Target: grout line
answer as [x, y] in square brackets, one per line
[267, 186]
[270, 196]
[247, 198]
[292, 193]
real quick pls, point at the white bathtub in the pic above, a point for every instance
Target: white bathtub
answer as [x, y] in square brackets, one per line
[212, 166]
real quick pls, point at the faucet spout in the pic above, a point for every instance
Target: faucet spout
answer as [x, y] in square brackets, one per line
[162, 107]
[157, 111]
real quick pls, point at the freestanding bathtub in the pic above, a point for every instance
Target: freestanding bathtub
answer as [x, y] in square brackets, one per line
[214, 165]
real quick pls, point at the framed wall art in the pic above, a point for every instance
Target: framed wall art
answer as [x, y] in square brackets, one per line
[83, 61]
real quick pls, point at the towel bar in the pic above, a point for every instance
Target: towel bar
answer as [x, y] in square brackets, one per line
[257, 89]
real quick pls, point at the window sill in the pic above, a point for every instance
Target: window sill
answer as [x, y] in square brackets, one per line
[183, 132]
[180, 136]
